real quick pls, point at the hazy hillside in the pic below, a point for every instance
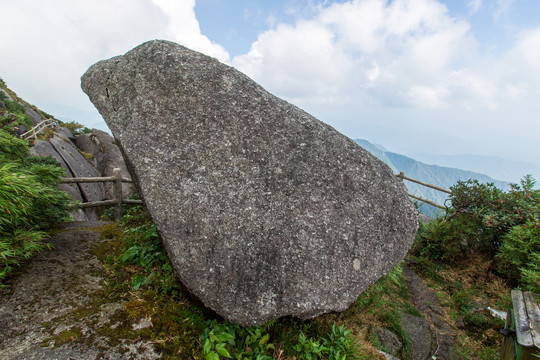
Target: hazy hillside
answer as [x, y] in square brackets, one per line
[494, 166]
[433, 174]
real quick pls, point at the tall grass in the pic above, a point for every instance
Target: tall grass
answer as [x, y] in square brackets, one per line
[29, 201]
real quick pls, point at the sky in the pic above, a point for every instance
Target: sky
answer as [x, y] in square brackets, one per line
[417, 76]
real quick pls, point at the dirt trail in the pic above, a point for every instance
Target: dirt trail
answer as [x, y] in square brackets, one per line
[49, 309]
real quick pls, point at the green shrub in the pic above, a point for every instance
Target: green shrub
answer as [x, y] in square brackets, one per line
[519, 256]
[75, 128]
[486, 219]
[12, 148]
[20, 245]
[226, 340]
[15, 107]
[496, 211]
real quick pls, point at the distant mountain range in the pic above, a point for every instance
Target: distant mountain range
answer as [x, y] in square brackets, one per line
[494, 166]
[444, 177]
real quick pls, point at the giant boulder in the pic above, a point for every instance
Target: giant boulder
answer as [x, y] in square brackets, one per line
[264, 210]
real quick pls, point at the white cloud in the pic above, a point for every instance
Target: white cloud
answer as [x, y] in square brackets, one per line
[183, 27]
[474, 6]
[47, 45]
[527, 50]
[501, 8]
[304, 50]
[397, 50]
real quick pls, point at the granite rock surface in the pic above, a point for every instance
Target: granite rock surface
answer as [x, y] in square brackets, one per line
[264, 210]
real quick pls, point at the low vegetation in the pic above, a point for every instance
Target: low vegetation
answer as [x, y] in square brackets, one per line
[502, 226]
[29, 201]
[488, 244]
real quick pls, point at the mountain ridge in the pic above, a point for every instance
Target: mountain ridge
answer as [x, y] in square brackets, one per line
[440, 176]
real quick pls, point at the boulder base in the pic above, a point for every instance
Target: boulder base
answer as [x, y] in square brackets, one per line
[264, 210]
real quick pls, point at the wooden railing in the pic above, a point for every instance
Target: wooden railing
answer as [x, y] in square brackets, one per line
[402, 176]
[33, 132]
[117, 200]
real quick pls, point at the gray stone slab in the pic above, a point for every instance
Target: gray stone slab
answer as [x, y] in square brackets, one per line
[79, 167]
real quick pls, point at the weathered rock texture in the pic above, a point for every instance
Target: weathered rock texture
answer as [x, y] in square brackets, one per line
[106, 157]
[63, 150]
[79, 167]
[45, 149]
[264, 210]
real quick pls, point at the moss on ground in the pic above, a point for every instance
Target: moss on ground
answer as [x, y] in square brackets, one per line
[161, 313]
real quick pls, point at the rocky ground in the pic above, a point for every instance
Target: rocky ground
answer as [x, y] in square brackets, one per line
[57, 307]
[51, 309]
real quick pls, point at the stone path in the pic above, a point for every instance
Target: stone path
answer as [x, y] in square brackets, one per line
[48, 310]
[440, 345]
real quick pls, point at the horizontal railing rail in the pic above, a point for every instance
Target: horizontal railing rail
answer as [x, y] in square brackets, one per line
[117, 200]
[33, 132]
[402, 176]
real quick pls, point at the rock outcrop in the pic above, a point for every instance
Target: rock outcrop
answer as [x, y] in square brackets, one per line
[45, 149]
[79, 167]
[61, 147]
[106, 157]
[36, 118]
[264, 210]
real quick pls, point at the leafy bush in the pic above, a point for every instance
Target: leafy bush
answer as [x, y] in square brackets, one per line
[486, 219]
[226, 340]
[496, 211]
[15, 107]
[519, 256]
[75, 128]
[441, 241]
[12, 148]
[143, 249]
[29, 201]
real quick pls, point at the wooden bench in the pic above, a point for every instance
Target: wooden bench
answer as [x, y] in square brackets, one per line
[522, 330]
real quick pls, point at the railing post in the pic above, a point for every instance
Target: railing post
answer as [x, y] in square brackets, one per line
[117, 189]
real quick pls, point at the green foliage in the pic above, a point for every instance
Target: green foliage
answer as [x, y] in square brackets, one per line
[496, 211]
[144, 249]
[29, 201]
[15, 115]
[488, 220]
[339, 344]
[46, 115]
[12, 148]
[19, 245]
[226, 340]
[519, 255]
[75, 128]
[15, 107]
[384, 302]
